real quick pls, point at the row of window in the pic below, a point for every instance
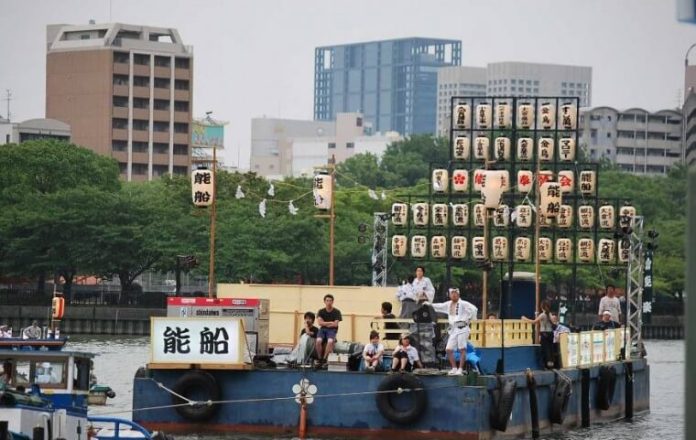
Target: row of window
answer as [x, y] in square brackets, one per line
[144, 81]
[348, 145]
[144, 60]
[514, 81]
[142, 125]
[157, 170]
[144, 103]
[157, 147]
[658, 152]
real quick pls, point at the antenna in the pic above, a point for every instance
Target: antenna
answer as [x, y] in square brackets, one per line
[8, 98]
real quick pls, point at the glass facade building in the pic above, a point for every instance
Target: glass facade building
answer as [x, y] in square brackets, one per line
[393, 83]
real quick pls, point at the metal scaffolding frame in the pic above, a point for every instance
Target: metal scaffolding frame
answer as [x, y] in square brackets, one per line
[634, 286]
[380, 233]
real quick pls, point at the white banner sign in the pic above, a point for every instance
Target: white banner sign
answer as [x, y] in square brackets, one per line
[197, 341]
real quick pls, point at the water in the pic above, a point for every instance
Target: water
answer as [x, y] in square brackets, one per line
[120, 357]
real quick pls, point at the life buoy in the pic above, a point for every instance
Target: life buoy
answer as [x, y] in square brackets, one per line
[200, 386]
[503, 399]
[416, 392]
[606, 382]
[57, 307]
[559, 401]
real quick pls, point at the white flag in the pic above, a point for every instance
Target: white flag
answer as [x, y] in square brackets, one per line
[384, 196]
[239, 194]
[271, 190]
[262, 208]
[292, 208]
[372, 194]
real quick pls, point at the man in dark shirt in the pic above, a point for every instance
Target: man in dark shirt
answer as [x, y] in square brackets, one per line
[309, 328]
[606, 323]
[328, 319]
[387, 314]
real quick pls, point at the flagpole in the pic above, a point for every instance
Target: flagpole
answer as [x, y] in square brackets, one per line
[212, 287]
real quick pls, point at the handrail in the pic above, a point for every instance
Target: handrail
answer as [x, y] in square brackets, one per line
[117, 425]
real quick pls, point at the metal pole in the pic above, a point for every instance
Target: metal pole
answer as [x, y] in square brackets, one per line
[212, 288]
[537, 233]
[332, 221]
[484, 302]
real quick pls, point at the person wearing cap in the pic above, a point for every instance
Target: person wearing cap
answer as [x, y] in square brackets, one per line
[459, 315]
[5, 332]
[606, 323]
[32, 332]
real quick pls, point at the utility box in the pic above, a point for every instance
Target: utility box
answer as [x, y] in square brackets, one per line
[255, 313]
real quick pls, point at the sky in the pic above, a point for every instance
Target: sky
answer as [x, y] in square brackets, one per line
[254, 58]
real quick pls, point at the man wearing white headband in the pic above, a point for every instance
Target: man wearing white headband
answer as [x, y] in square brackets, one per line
[459, 314]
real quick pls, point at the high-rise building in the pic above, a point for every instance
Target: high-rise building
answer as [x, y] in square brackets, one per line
[126, 92]
[510, 79]
[636, 140]
[393, 83]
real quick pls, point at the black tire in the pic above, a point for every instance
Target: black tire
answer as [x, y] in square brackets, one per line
[110, 393]
[406, 382]
[559, 401]
[197, 385]
[503, 399]
[606, 383]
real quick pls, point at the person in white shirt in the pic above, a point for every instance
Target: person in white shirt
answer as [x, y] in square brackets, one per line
[611, 303]
[5, 332]
[405, 356]
[459, 314]
[373, 353]
[422, 286]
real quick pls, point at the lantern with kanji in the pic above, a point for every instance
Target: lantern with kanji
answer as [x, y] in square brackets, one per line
[544, 176]
[202, 187]
[479, 214]
[544, 250]
[501, 216]
[545, 149]
[524, 181]
[440, 180]
[479, 177]
[502, 149]
[419, 246]
[546, 116]
[585, 250]
[461, 148]
[503, 115]
[624, 250]
[565, 217]
[524, 149]
[458, 247]
[606, 217]
[523, 249]
[438, 246]
[483, 115]
[588, 181]
[462, 116]
[550, 199]
[440, 214]
[585, 216]
[568, 117]
[523, 216]
[420, 214]
[626, 214]
[323, 191]
[525, 116]
[566, 149]
[499, 248]
[605, 250]
[399, 214]
[460, 180]
[479, 250]
[564, 250]
[566, 178]
[460, 214]
[399, 245]
[481, 145]
[493, 185]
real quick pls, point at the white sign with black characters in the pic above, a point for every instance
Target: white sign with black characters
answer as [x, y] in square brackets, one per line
[197, 341]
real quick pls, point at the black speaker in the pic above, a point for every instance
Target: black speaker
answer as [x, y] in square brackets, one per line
[423, 315]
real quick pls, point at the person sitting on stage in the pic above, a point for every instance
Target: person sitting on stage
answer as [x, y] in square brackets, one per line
[32, 332]
[5, 332]
[328, 319]
[373, 353]
[305, 347]
[405, 356]
[606, 322]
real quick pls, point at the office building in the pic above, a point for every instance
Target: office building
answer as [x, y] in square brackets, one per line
[33, 129]
[126, 92]
[393, 83]
[635, 140]
[510, 79]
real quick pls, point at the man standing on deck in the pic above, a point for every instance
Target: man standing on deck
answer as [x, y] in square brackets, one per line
[459, 314]
[328, 319]
[611, 303]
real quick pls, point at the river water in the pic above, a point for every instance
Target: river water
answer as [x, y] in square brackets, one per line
[119, 357]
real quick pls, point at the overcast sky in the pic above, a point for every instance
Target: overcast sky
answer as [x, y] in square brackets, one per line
[254, 58]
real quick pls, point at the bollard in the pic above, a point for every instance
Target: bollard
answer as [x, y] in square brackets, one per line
[38, 433]
[585, 397]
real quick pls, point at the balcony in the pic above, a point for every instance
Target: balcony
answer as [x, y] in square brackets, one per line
[141, 92]
[162, 93]
[161, 115]
[182, 117]
[121, 156]
[141, 136]
[140, 70]
[119, 112]
[163, 72]
[181, 160]
[160, 136]
[182, 95]
[121, 68]
[182, 74]
[141, 113]
[120, 134]
[120, 90]
[181, 138]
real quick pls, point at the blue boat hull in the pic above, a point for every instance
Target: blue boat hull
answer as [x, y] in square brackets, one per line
[345, 403]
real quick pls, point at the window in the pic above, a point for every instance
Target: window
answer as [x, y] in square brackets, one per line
[140, 124]
[142, 59]
[358, 122]
[121, 57]
[608, 135]
[181, 84]
[160, 126]
[513, 81]
[656, 152]
[564, 84]
[49, 374]
[180, 127]
[141, 103]
[141, 81]
[117, 145]
[332, 144]
[123, 167]
[160, 148]
[159, 170]
[81, 374]
[181, 171]
[161, 104]
[161, 61]
[181, 106]
[529, 82]
[120, 101]
[640, 135]
[181, 149]
[140, 147]
[162, 83]
[350, 145]
[119, 123]
[120, 80]
[536, 82]
[139, 168]
[181, 63]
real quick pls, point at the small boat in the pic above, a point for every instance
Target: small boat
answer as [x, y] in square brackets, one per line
[99, 393]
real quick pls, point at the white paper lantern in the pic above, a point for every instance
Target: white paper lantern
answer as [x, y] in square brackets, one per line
[202, 187]
[483, 115]
[493, 185]
[440, 212]
[399, 214]
[525, 179]
[458, 247]
[502, 149]
[462, 116]
[547, 116]
[550, 199]
[523, 249]
[478, 178]
[606, 217]
[566, 178]
[503, 115]
[544, 176]
[399, 245]
[501, 216]
[523, 216]
[624, 251]
[626, 216]
[460, 215]
[524, 149]
[440, 180]
[545, 249]
[525, 116]
[419, 246]
[564, 250]
[605, 251]
[585, 216]
[545, 149]
[588, 181]
[479, 214]
[461, 148]
[499, 248]
[585, 250]
[478, 248]
[544, 221]
[566, 149]
[323, 191]
[420, 214]
[565, 217]
[438, 246]
[569, 117]
[460, 180]
[481, 145]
